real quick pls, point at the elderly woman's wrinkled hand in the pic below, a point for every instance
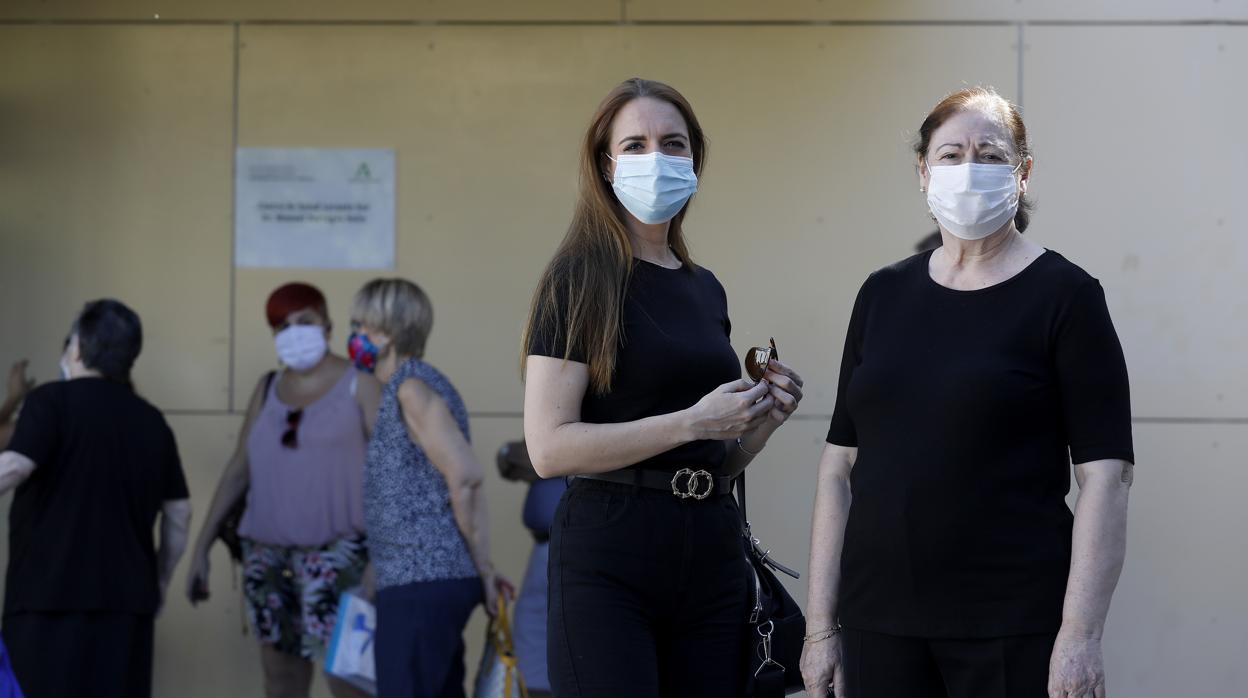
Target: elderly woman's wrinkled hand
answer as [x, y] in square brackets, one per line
[1076, 668]
[822, 670]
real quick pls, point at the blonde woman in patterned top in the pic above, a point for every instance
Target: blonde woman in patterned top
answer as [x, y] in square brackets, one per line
[424, 504]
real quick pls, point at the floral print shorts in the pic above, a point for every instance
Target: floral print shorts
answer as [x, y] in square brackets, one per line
[292, 592]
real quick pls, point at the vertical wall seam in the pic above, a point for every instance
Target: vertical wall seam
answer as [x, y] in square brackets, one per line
[1021, 38]
[233, 215]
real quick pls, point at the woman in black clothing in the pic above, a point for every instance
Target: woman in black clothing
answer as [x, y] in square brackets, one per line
[633, 387]
[973, 376]
[95, 466]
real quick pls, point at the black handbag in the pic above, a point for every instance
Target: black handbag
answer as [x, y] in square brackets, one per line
[776, 627]
[227, 530]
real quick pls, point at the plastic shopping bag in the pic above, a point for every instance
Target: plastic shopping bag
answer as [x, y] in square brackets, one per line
[8, 682]
[349, 655]
[499, 675]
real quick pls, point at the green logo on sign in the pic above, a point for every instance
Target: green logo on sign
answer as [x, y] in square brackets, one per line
[363, 173]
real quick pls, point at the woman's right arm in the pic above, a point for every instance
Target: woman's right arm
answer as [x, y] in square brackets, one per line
[233, 484]
[821, 658]
[560, 444]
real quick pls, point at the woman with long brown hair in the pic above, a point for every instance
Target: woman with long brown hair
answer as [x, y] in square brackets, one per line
[633, 387]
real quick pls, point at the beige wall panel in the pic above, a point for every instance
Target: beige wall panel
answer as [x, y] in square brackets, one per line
[485, 122]
[1179, 625]
[925, 10]
[810, 184]
[115, 181]
[315, 10]
[1162, 231]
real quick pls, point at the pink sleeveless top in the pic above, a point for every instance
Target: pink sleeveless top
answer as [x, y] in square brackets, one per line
[311, 494]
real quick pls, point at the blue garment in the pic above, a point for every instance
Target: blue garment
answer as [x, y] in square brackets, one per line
[420, 638]
[540, 504]
[529, 627]
[8, 682]
[412, 535]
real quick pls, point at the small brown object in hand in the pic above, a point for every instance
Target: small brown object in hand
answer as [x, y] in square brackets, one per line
[757, 358]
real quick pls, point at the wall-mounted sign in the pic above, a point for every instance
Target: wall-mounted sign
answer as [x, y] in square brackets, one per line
[328, 208]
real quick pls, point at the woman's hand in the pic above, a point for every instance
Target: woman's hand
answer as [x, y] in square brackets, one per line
[494, 584]
[786, 390]
[1076, 668]
[731, 410]
[822, 668]
[197, 578]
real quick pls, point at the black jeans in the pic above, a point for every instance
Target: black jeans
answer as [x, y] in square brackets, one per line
[648, 594]
[98, 654]
[886, 666]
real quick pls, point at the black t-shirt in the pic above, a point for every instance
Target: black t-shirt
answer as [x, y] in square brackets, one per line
[967, 408]
[81, 527]
[674, 349]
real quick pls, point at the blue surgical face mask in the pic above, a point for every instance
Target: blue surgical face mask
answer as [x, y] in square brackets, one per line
[653, 186]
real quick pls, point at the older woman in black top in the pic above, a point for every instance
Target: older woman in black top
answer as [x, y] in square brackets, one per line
[973, 376]
[95, 466]
[633, 387]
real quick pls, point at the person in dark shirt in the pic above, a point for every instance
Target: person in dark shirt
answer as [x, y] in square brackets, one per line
[633, 387]
[973, 376]
[94, 465]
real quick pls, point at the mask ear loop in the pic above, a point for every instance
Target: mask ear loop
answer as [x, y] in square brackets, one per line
[605, 178]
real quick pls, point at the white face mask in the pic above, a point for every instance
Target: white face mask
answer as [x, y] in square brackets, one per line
[654, 187]
[301, 347]
[972, 200]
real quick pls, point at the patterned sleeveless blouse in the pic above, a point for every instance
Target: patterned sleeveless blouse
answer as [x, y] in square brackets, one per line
[412, 535]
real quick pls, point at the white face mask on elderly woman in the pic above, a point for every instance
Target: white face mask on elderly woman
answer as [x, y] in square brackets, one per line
[300, 347]
[972, 200]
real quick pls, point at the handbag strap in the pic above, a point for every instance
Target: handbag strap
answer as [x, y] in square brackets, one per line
[751, 543]
[739, 482]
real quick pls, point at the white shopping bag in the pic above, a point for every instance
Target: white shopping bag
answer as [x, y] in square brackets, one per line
[498, 676]
[349, 655]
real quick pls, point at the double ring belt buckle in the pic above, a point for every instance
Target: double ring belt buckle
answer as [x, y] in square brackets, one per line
[692, 484]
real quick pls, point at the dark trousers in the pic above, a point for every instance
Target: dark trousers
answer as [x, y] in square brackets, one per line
[648, 595]
[886, 666]
[420, 638]
[94, 654]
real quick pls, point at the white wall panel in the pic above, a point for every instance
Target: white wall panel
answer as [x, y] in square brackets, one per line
[1137, 179]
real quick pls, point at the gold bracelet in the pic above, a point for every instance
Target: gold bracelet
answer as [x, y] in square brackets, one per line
[823, 634]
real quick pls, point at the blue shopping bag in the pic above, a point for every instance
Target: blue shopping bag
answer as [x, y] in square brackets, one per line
[349, 655]
[8, 682]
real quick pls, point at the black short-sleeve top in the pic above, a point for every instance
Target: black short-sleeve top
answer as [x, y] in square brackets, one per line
[81, 526]
[674, 348]
[967, 409]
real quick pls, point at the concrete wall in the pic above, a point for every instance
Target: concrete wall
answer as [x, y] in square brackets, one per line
[118, 121]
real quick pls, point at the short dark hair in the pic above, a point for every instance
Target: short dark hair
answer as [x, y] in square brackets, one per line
[110, 338]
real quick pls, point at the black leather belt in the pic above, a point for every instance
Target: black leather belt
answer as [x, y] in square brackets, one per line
[685, 483]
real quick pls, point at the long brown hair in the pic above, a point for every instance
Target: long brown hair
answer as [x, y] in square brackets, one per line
[580, 296]
[987, 99]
